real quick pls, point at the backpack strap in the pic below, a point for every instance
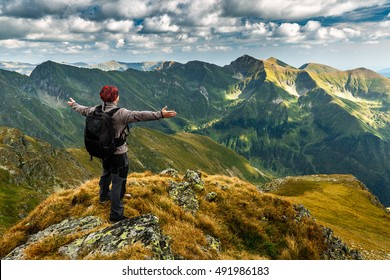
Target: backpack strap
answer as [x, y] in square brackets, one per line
[121, 140]
[112, 112]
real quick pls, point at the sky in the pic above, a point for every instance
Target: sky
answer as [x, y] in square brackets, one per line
[345, 34]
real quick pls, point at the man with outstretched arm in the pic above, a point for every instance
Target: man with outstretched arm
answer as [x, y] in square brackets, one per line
[115, 168]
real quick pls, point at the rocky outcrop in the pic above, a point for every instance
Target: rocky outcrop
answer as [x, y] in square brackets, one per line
[184, 193]
[144, 229]
[66, 227]
[337, 249]
[194, 179]
[302, 212]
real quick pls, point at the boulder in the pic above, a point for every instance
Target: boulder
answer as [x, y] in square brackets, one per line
[183, 195]
[214, 243]
[194, 178]
[63, 228]
[144, 229]
[211, 196]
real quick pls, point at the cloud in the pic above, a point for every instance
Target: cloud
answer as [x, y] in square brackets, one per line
[125, 9]
[42, 8]
[121, 26]
[292, 9]
[170, 26]
[159, 24]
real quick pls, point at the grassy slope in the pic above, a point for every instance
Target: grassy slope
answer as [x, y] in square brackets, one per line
[155, 151]
[30, 170]
[342, 203]
[250, 224]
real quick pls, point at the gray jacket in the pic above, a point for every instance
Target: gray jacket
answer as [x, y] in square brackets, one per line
[120, 119]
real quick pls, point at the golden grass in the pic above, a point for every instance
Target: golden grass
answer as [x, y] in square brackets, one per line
[249, 224]
[347, 208]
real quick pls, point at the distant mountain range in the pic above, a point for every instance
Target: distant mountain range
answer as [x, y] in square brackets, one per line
[385, 72]
[112, 65]
[284, 120]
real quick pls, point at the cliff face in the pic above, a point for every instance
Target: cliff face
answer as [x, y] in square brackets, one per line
[195, 216]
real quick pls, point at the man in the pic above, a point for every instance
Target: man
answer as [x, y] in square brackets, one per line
[115, 168]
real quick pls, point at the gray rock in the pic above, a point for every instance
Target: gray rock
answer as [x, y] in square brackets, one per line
[61, 229]
[194, 178]
[170, 172]
[337, 249]
[144, 229]
[214, 243]
[211, 196]
[183, 195]
[301, 212]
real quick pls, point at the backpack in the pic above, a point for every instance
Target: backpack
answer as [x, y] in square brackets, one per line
[99, 134]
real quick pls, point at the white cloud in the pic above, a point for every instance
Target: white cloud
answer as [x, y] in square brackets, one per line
[293, 9]
[13, 44]
[288, 30]
[170, 26]
[120, 43]
[159, 24]
[79, 25]
[121, 26]
[127, 9]
[102, 46]
[312, 26]
[41, 8]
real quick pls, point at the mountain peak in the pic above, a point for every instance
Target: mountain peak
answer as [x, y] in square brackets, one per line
[245, 66]
[318, 68]
[276, 61]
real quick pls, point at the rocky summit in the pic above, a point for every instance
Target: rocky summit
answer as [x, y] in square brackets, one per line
[144, 229]
[174, 218]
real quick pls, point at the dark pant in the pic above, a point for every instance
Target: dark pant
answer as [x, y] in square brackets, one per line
[115, 171]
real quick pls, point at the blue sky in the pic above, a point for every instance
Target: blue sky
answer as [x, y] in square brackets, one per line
[344, 34]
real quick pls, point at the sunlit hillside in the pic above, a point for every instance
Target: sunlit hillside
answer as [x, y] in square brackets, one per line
[344, 204]
[224, 218]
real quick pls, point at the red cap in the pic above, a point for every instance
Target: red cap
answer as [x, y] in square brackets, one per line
[109, 93]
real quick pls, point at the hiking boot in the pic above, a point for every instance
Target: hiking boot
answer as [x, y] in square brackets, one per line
[103, 201]
[114, 220]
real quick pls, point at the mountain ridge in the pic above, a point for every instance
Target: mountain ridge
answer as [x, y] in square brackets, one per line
[279, 117]
[204, 220]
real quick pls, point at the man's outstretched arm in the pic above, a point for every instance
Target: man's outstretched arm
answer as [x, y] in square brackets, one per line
[84, 110]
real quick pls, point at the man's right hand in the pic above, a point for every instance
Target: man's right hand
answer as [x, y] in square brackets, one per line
[71, 101]
[167, 114]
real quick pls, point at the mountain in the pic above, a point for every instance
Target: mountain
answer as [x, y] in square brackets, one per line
[20, 67]
[311, 120]
[112, 65]
[31, 169]
[385, 72]
[174, 216]
[344, 204]
[151, 150]
[286, 120]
